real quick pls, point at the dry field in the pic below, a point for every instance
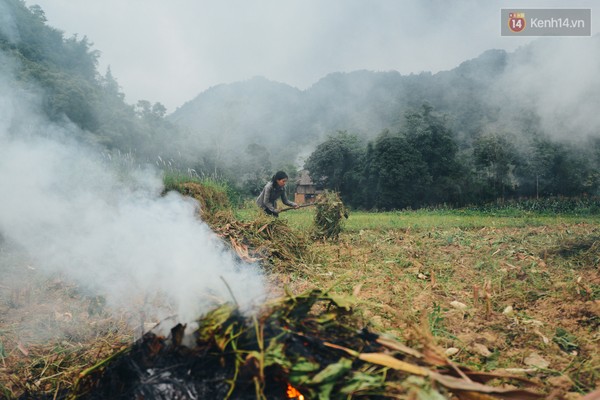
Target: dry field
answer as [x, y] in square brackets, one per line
[518, 294]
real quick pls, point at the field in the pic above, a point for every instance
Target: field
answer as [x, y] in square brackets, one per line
[514, 291]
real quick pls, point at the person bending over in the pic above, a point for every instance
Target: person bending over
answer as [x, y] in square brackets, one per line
[273, 190]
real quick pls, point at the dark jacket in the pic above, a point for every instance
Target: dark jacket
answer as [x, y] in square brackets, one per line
[269, 195]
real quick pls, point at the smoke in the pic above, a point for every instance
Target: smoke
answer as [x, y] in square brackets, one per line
[84, 216]
[557, 79]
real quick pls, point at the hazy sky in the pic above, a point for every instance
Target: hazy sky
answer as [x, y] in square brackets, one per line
[170, 51]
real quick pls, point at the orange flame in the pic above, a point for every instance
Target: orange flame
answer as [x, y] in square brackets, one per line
[293, 393]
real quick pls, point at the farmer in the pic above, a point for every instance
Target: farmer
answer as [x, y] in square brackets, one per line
[274, 189]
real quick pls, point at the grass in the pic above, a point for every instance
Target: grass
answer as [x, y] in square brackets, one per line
[174, 180]
[423, 219]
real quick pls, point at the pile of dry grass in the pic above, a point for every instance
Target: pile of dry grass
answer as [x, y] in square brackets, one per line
[261, 239]
[328, 222]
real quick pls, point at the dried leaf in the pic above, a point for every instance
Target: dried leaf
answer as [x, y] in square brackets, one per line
[451, 351]
[509, 311]
[484, 377]
[22, 349]
[433, 356]
[391, 362]
[520, 370]
[540, 334]
[262, 228]
[394, 345]
[382, 359]
[462, 385]
[474, 396]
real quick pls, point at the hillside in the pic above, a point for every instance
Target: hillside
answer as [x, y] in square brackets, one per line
[537, 102]
[364, 102]
[61, 73]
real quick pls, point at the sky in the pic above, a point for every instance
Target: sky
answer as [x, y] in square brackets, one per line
[171, 51]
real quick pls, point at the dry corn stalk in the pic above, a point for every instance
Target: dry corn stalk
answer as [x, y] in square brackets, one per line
[487, 287]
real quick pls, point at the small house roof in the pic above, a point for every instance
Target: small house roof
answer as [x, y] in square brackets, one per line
[304, 179]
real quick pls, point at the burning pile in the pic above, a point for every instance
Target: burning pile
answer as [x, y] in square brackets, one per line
[297, 347]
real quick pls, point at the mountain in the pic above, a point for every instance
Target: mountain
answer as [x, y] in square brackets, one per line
[257, 111]
[288, 121]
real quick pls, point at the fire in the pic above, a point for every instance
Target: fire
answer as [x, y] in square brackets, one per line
[293, 393]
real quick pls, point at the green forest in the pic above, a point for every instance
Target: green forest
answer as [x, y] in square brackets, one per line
[383, 140]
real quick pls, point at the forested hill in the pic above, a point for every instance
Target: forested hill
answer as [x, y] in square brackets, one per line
[520, 123]
[281, 117]
[63, 74]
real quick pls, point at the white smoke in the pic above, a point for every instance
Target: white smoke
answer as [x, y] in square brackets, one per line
[556, 78]
[109, 230]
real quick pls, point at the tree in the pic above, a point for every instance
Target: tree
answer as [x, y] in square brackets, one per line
[37, 12]
[495, 158]
[110, 85]
[335, 163]
[566, 170]
[398, 171]
[367, 195]
[427, 134]
[535, 174]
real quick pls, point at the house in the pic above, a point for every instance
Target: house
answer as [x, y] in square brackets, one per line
[306, 190]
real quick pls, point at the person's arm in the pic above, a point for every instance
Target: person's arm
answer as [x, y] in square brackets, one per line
[286, 201]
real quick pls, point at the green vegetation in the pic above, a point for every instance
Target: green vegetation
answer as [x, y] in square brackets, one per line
[420, 166]
[63, 71]
[432, 219]
[176, 180]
